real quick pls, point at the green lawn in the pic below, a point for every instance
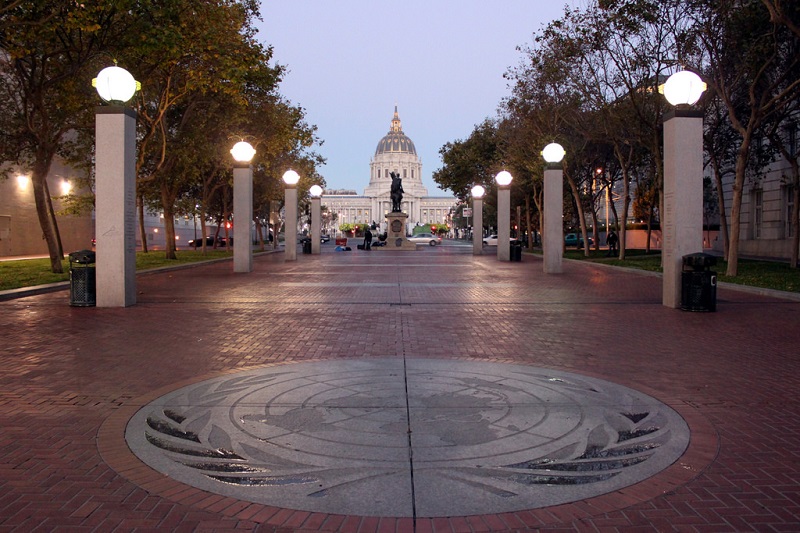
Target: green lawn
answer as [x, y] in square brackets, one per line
[30, 272]
[764, 274]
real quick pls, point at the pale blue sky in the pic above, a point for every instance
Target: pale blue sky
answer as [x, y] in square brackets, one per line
[441, 61]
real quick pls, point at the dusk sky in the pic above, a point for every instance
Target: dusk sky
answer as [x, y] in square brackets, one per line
[440, 61]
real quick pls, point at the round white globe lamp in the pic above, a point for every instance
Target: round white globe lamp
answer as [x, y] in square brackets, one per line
[478, 191]
[115, 85]
[243, 152]
[684, 87]
[315, 190]
[503, 178]
[290, 177]
[553, 153]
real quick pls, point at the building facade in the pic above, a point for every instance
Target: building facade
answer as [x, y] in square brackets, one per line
[767, 203]
[395, 153]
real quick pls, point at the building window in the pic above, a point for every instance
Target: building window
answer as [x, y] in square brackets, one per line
[792, 140]
[404, 173]
[788, 194]
[758, 212]
[385, 172]
[412, 173]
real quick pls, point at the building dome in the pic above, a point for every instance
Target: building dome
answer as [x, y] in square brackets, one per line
[395, 141]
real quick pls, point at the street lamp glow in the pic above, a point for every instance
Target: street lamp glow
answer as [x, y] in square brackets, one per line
[290, 177]
[503, 178]
[115, 85]
[683, 87]
[243, 152]
[553, 153]
[315, 190]
[478, 191]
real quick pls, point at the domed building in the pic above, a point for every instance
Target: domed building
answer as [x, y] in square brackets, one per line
[395, 153]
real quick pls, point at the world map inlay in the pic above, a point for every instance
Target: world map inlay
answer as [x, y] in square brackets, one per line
[414, 437]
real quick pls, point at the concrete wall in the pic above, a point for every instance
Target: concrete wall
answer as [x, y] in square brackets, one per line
[20, 232]
[637, 238]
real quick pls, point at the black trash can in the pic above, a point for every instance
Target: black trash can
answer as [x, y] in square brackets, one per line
[699, 283]
[516, 251]
[306, 245]
[82, 279]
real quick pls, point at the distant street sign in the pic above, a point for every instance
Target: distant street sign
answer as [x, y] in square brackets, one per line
[467, 212]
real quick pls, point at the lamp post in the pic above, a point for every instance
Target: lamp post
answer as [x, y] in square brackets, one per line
[682, 221]
[242, 153]
[290, 178]
[503, 180]
[553, 233]
[316, 200]
[115, 189]
[477, 225]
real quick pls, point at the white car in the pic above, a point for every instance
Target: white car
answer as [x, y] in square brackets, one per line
[425, 238]
[491, 240]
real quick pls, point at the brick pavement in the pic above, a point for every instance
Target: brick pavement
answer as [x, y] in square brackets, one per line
[70, 377]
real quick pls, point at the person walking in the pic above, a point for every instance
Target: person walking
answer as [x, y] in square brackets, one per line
[368, 239]
[611, 241]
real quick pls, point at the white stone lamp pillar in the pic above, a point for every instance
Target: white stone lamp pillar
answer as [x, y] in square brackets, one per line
[503, 180]
[115, 189]
[682, 222]
[316, 209]
[290, 178]
[477, 223]
[553, 231]
[242, 153]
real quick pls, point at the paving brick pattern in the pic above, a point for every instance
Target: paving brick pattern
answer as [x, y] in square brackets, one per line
[70, 378]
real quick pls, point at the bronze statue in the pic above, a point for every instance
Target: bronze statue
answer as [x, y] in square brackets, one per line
[396, 192]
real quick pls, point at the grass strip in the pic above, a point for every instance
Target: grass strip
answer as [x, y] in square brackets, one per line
[754, 273]
[32, 272]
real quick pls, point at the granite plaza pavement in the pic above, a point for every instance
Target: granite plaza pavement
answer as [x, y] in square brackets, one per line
[400, 391]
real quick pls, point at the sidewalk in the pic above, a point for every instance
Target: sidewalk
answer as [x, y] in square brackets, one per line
[71, 378]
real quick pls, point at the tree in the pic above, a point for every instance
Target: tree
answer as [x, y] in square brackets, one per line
[48, 50]
[750, 63]
[473, 161]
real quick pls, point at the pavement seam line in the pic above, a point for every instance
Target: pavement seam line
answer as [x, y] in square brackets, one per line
[408, 434]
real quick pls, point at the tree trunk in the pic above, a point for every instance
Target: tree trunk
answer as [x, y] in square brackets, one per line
[167, 204]
[537, 200]
[528, 221]
[625, 207]
[581, 214]
[140, 208]
[736, 211]
[795, 215]
[52, 213]
[47, 223]
[723, 218]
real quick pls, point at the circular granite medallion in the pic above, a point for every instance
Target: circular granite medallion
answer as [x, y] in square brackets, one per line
[415, 437]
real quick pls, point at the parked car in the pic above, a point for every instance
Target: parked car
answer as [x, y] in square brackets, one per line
[491, 240]
[324, 238]
[197, 243]
[425, 238]
[576, 239]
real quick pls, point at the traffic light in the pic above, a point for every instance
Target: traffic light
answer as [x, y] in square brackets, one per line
[433, 229]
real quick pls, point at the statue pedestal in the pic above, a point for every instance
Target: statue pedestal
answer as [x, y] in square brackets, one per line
[396, 233]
